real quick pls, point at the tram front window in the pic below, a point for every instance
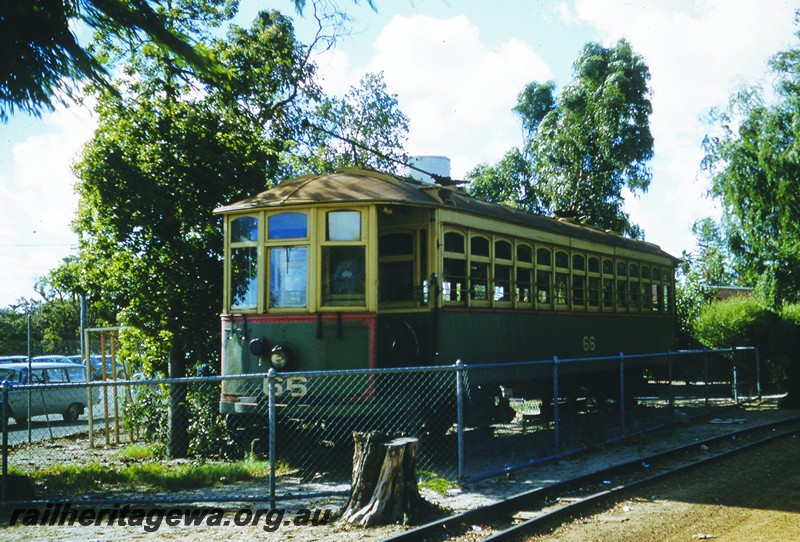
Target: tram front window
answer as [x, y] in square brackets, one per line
[343, 275]
[288, 277]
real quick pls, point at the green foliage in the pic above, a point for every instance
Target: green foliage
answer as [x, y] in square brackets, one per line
[147, 475]
[367, 115]
[747, 321]
[754, 166]
[584, 145]
[738, 321]
[45, 62]
[435, 483]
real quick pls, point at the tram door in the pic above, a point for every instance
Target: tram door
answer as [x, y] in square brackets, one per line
[402, 289]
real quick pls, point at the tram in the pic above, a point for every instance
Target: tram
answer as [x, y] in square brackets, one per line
[360, 269]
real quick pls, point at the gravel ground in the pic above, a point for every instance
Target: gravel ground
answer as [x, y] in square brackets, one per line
[291, 525]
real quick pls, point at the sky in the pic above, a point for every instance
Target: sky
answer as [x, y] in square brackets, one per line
[456, 67]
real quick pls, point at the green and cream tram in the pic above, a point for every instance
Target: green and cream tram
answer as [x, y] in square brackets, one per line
[359, 269]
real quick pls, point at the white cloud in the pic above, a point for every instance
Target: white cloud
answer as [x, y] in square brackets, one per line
[457, 92]
[37, 200]
[698, 53]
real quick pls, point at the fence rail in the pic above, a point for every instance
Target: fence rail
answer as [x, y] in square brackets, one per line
[473, 421]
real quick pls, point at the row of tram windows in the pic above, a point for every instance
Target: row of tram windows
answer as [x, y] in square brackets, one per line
[481, 271]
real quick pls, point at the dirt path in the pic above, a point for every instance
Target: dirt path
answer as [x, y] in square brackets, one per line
[754, 496]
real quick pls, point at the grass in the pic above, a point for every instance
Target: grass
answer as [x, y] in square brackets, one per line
[145, 473]
[435, 483]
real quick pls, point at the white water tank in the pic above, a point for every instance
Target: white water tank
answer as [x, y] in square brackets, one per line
[437, 165]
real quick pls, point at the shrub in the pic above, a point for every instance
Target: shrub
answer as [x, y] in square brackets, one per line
[738, 321]
[745, 321]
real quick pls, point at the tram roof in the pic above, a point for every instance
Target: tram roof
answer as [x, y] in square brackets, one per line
[355, 185]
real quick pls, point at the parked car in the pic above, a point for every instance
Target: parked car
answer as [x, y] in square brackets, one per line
[13, 359]
[97, 367]
[70, 402]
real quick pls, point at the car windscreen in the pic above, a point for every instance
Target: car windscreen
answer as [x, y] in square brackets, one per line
[8, 374]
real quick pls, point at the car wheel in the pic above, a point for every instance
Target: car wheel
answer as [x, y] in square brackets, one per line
[73, 411]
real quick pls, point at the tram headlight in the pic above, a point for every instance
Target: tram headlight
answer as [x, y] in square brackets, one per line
[283, 355]
[258, 347]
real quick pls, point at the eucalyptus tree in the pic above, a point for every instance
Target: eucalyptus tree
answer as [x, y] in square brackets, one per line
[753, 160]
[365, 127]
[584, 145]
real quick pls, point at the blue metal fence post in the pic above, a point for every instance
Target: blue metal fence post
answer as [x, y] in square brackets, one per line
[758, 372]
[460, 414]
[556, 431]
[622, 392]
[734, 383]
[6, 385]
[705, 377]
[671, 409]
[272, 422]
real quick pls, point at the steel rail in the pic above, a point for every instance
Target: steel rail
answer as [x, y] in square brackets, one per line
[441, 529]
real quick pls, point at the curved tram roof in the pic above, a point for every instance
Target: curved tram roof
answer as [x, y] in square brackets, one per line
[354, 185]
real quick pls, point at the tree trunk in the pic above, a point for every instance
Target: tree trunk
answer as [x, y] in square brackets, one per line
[384, 488]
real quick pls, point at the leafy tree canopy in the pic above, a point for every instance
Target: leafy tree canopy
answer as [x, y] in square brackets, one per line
[753, 160]
[584, 145]
[44, 62]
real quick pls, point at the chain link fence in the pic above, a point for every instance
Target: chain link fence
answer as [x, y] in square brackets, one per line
[291, 434]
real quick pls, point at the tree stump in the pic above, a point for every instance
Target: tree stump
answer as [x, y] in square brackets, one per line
[384, 486]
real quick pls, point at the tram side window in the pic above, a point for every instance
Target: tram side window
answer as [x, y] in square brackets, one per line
[622, 284]
[523, 274]
[243, 294]
[544, 278]
[396, 267]
[608, 284]
[502, 271]
[244, 278]
[578, 279]
[454, 279]
[479, 268]
[633, 290]
[594, 282]
[562, 278]
[655, 290]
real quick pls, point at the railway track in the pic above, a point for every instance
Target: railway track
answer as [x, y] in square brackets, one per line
[544, 508]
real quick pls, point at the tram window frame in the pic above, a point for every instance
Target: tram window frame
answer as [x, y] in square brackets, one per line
[278, 297]
[523, 269]
[454, 256]
[578, 280]
[503, 264]
[397, 264]
[633, 288]
[622, 284]
[544, 277]
[594, 288]
[343, 259]
[561, 283]
[248, 247]
[480, 261]
[607, 284]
